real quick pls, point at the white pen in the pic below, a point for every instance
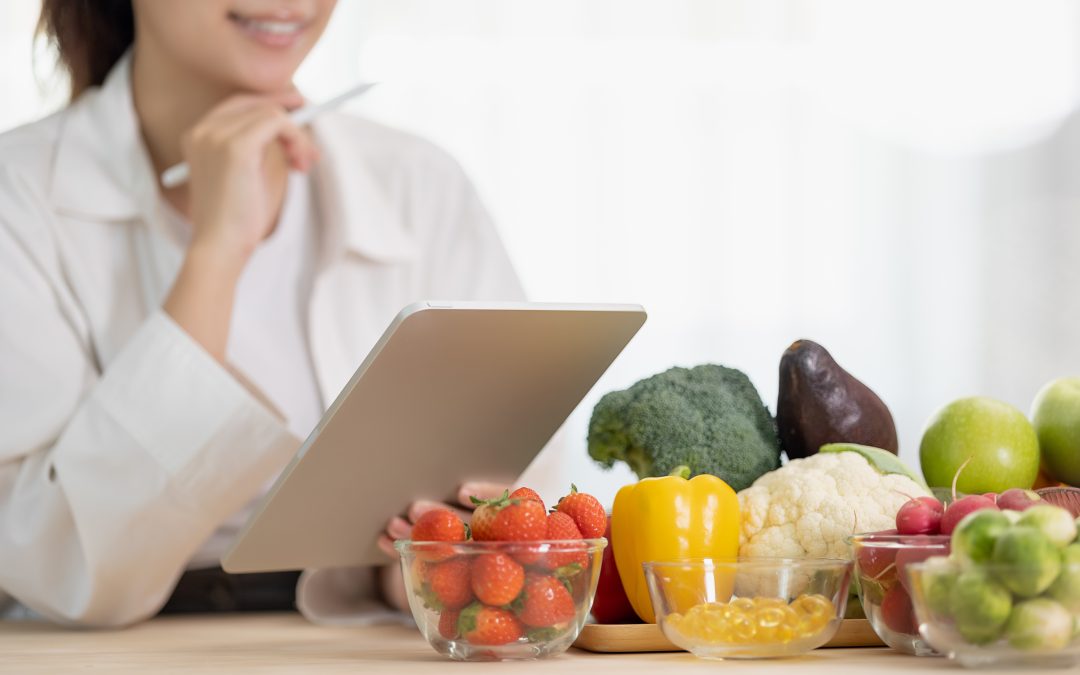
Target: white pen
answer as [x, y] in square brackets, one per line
[178, 174]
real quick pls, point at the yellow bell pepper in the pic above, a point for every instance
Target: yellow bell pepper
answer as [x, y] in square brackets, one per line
[670, 519]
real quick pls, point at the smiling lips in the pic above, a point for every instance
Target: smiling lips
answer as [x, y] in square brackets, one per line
[271, 31]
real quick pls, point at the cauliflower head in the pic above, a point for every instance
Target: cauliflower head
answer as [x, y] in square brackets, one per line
[807, 507]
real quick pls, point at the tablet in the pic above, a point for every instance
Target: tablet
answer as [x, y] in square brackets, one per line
[453, 391]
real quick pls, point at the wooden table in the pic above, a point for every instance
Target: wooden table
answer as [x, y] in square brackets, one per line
[286, 643]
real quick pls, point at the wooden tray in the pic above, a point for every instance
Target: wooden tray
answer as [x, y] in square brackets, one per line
[647, 637]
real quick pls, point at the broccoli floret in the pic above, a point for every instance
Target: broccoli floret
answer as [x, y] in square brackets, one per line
[709, 418]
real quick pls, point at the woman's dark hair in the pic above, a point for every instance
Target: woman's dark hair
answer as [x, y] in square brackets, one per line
[90, 36]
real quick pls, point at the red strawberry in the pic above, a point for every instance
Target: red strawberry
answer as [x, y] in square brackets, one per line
[497, 578]
[545, 602]
[482, 625]
[521, 521]
[448, 623]
[525, 493]
[437, 525]
[482, 523]
[505, 519]
[562, 527]
[449, 583]
[587, 512]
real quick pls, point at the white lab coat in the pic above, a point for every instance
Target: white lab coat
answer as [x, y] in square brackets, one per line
[123, 444]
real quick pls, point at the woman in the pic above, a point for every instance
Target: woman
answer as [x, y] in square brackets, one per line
[163, 350]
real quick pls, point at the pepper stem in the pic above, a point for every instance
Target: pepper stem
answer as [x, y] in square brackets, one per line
[681, 471]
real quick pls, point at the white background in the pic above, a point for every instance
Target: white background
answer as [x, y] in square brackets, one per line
[896, 180]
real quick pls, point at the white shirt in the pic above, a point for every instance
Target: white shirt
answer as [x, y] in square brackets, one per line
[268, 341]
[125, 444]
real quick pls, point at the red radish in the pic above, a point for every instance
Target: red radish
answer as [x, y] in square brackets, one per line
[896, 611]
[965, 505]
[961, 507]
[992, 496]
[920, 516]
[1017, 499]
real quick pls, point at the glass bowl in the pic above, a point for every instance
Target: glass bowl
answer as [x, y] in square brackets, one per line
[972, 614]
[749, 608]
[880, 561]
[494, 601]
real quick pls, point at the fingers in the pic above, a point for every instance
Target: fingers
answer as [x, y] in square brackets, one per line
[480, 491]
[386, 545]
[256, 127]
[276, 124]
[244, 126]
[398, 528]
[300, 152]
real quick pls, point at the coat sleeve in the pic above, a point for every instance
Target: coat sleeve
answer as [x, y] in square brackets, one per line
[110, 477]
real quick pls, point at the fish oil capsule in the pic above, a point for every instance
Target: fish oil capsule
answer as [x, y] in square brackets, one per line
[743, 604]
[743, 629]
[769, 617]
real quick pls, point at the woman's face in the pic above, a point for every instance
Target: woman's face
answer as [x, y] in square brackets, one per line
[246, 45]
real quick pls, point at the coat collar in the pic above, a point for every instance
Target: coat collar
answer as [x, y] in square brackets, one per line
[103, 172]
[353, 203]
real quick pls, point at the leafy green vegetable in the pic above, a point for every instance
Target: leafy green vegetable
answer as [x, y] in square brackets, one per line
[882, 460]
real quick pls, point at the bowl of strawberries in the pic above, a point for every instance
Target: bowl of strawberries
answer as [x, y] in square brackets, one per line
[517, 582]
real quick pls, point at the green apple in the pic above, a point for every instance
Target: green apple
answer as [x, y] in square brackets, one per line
[996, 437]
[1056, 414]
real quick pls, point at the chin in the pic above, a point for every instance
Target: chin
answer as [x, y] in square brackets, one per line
[241, 45]
[263, 78]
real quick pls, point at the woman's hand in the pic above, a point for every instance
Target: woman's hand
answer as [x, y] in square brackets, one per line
[390, 577]
[240, 154]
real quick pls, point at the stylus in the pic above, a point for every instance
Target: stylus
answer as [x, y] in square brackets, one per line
[178, 174]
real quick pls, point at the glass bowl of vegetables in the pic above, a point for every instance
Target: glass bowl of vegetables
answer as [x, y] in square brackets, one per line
[1009, 595]
[881, 560]
[747, 608]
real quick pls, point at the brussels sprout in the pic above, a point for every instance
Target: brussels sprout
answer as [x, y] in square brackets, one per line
[1066, 588]
[974, 537]
[980, 606]
[1054, 522]
[939, 577]
[1026, 561]
[1039, 624]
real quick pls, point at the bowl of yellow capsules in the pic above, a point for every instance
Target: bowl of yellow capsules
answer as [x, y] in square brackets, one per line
[749, 608]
